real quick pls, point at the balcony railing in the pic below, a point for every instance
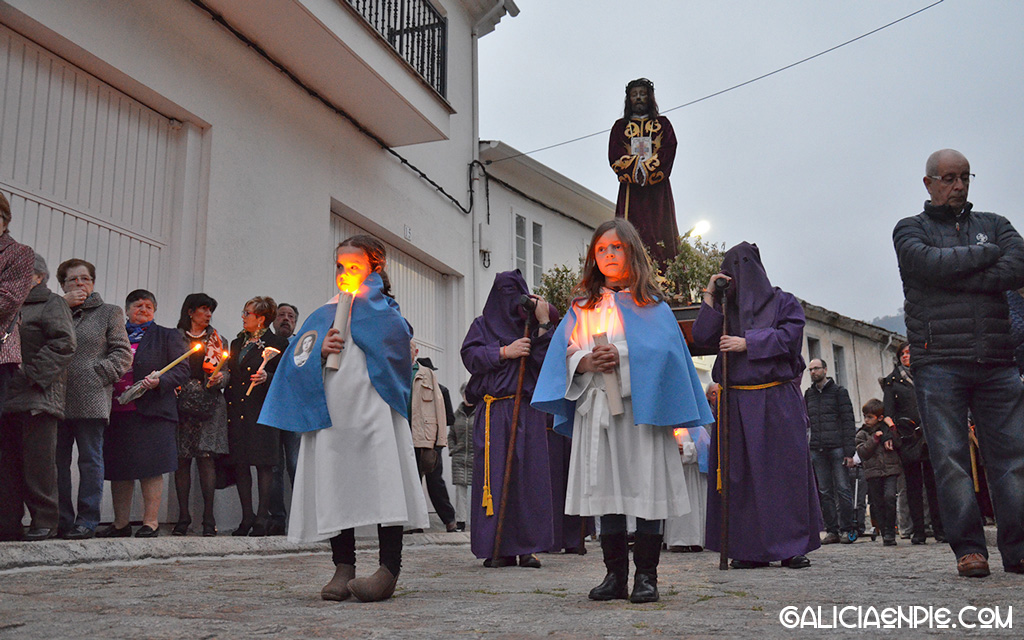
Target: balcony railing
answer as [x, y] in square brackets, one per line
[416, 31]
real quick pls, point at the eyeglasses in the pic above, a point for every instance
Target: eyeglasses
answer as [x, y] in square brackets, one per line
[950, 178]
[246, 313]
[79, 279]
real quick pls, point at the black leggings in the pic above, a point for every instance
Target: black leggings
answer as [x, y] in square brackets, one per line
[389, 539]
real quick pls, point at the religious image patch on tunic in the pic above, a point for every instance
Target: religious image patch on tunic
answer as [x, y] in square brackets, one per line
[305, 348]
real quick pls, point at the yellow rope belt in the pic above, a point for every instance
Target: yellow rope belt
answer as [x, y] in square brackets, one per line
[739, 387]
[488, 501]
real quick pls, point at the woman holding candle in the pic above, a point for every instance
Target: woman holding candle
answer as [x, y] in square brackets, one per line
[140, 443]
[202, 412]
[356, 462]
[625, 464]
[250, 443]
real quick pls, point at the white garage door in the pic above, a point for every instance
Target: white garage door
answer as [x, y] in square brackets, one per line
[88, 170]
[421, 291]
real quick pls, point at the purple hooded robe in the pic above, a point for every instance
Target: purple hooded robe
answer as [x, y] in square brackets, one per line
[773, 501]
[528, 517]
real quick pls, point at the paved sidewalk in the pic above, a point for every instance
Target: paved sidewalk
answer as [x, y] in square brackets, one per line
[253, 587]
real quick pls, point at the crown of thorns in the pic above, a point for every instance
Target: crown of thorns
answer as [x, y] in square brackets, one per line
[640, 82]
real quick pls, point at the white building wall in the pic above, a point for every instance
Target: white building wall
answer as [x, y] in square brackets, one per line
[261, 165]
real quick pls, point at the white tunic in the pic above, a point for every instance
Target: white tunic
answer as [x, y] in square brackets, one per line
[616, 466]
[688, 530]
[359, 471]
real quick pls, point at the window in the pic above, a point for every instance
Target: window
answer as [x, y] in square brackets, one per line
[529, 249]
[813, 348]
[839, 362]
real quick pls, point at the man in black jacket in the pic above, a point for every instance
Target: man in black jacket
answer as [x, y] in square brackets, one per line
[832, 439]
[956, 266]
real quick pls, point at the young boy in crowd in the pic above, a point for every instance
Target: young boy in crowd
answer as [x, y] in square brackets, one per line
[876, 446]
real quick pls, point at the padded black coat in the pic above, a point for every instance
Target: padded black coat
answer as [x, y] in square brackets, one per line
[830, 413]
[956, 268]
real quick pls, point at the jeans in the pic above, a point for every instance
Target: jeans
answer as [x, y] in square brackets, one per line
[920, 481]
[995, 396]
[833, 485]
[88, 434]
[290, 460]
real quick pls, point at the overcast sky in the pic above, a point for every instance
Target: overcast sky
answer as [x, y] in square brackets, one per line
[815, 164]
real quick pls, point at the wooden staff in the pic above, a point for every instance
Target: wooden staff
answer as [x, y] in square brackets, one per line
[721, 285]
[528, 303]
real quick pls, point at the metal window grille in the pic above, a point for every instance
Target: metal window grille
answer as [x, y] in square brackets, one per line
[416, 30]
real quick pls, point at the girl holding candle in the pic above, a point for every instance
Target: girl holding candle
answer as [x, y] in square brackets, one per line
[202, 412]
[356, 464]
[249, 442]
[139, 443]
[626, 464]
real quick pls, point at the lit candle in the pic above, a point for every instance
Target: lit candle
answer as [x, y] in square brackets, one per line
[611, 382]
[341, 317]
[196, 347]
[223, 360]
[269, 353]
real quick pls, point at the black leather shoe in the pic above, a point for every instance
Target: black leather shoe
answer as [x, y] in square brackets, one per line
[613, 587]
[276, 528]
[35, 534]
[181, 529]
[80, 532]
[529, 560]
[503, 561]
[918, 540]
[747, 564]
[797, 562]
[113, 532]
[259, 529]
[146, 531]
[243, 529]
[209, 530]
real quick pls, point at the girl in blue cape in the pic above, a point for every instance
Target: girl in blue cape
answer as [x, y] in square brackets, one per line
[356, 464]
[627, 464]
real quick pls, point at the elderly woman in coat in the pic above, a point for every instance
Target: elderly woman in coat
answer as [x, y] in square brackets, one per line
[35, 402]
[251, 444]
[101, 358]
[140, 441]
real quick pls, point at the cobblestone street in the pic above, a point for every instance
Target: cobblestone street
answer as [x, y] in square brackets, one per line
[249, 588]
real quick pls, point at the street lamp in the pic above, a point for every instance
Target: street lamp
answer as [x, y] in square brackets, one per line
[698, 229]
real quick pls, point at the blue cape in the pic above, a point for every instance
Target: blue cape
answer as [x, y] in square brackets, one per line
[702, 439]
[666, 390]
[296, 400]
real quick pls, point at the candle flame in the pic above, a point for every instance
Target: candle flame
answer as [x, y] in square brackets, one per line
[270, 352]
[678, 433]
[225, 355]
[197, 346]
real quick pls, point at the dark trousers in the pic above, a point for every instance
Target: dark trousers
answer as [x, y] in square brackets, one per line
[920, 482]
[438, 491]
[995, 397]
[88, 435]
[389, 539]
[289, 461]
[883, 503]
[28, 471]
[833, 489]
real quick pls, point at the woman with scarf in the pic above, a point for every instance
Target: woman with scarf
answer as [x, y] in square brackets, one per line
[139, 442]
[202, 412]
[773, 500]
[900, 402]
[250, 443]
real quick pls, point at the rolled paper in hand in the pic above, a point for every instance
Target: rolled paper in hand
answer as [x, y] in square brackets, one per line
[341, 316]
[196, 347]
[223, 360]
[269, 353]
[611, 382]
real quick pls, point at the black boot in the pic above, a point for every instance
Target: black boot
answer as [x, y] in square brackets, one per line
[646, 553]
[616, 560]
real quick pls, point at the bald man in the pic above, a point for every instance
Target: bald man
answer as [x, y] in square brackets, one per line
[956, 266]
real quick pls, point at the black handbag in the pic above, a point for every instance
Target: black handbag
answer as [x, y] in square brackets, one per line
[196, 401]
